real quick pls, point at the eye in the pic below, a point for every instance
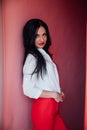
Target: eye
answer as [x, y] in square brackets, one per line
[37, 35]
[44, 34]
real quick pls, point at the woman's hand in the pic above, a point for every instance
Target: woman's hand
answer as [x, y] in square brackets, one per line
[58, 97]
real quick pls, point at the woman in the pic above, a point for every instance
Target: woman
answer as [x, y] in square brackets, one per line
[40, 77]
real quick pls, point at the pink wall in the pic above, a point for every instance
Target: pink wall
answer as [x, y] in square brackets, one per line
[1, 68]
[67, 26]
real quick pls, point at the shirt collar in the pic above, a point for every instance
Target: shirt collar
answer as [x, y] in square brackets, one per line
[44, 53]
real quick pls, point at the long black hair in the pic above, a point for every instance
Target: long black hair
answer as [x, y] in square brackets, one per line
[29, 34]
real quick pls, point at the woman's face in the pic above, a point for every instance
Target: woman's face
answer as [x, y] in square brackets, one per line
[41, 38]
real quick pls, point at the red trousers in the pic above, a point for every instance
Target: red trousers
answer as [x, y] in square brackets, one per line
[45, 115]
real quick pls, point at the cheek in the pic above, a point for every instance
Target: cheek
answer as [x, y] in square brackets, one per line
[45, 39]
[36, 41]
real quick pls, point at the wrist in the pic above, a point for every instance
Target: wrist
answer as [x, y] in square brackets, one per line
[54, 95]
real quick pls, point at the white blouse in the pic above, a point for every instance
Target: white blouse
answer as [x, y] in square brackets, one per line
[33, 86]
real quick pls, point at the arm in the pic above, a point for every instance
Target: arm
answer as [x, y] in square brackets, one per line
[29, 87]
[58, 97]
[33, 92]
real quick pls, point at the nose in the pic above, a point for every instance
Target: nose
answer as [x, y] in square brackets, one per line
[41, 39]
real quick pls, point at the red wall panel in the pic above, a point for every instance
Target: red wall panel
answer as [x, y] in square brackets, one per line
[1, 68]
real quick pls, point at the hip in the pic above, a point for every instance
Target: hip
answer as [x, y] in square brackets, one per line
[45, 105]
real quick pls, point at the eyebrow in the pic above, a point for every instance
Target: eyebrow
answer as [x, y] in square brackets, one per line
[42, 34]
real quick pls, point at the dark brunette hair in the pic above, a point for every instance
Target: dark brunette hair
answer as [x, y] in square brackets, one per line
[29, 34]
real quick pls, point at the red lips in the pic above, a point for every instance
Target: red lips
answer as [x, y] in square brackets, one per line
[41, 43]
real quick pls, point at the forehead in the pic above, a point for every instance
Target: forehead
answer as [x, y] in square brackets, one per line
[41, 30]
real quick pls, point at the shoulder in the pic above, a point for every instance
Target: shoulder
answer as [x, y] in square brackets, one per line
[30, 58]
[29, 64]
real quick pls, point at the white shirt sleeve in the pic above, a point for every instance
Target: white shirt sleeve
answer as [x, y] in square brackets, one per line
[29, 81]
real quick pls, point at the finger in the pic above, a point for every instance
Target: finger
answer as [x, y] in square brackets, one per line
[62, 93]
